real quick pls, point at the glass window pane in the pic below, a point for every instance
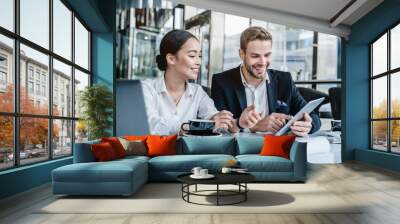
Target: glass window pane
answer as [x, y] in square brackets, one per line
[62, 89]
[292, 51]
[327, 60]
[62, 29]
[143, 61]
[379, 55]
[256, 22]
[81, 45]
[35, 21]
[395, 47]
[379, 135]
[178, 19]
[7, 14]
[34, 72]
[33, 139]
[81, 131]
[395, 95]
[379, 98]
[62, 138]
[6, 142]
[234, 26]
[395, 136]
[81, 81]
[6, 74]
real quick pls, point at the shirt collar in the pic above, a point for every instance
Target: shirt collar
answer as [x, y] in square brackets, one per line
[244, 80]
[162, 88]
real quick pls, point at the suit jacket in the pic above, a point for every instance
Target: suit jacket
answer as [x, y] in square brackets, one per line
[228, 93]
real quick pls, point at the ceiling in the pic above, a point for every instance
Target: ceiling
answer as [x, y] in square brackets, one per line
[327, 16]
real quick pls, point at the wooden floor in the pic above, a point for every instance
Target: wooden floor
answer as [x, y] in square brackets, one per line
[379, 189]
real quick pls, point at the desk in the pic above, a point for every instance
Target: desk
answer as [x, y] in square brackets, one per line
[323, 147]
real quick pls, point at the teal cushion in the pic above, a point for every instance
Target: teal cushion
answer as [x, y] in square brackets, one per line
[207, 145]
[249, 145]
[257, 163]
[185, 163]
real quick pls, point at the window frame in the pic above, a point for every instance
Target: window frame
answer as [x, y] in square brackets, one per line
[388, 74]
[16, 114]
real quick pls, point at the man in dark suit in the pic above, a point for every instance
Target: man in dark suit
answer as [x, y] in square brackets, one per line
[261, 99]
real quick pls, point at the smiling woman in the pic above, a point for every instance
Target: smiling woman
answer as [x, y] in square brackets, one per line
[171, 99]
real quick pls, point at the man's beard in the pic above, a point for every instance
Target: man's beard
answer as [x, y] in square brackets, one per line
[250, 71]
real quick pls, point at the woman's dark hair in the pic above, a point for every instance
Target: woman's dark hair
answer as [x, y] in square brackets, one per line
[171, 44]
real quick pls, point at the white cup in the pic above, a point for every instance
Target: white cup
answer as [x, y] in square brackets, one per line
[226, 170]
[203, 172]
[196, 171]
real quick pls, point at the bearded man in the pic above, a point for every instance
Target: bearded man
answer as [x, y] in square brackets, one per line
[260, 99]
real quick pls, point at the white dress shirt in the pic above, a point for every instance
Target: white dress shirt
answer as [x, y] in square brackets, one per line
[256, 95]
[164, 116]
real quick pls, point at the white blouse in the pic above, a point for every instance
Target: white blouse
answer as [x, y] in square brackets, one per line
[164, 117]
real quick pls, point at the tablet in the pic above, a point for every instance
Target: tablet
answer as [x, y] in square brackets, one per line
[308, 108]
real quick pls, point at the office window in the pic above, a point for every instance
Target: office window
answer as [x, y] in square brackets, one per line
[62, 29]
[234, 25]
[385, 97]
[6, 71]
[81, 81]
[62, 137]
[395, 47]
[35, 22]
[40, 62]
[63, 73]
[33, 140]
[44, 132]
[6, 142]
[7, 14]
[81, 45]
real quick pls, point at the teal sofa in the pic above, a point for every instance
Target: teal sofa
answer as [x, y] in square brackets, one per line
[125, 176]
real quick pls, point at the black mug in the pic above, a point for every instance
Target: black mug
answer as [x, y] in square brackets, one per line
[198, 126]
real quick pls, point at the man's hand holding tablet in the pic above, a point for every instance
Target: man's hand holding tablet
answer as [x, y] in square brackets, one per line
[302, 128]
[298, 127]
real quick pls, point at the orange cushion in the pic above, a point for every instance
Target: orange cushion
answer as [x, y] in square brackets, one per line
[116, 145]
[136, 137]
[277, 145]
[161, 145]
[103, 151]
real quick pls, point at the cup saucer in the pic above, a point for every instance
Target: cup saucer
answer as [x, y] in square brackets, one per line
[208, 176]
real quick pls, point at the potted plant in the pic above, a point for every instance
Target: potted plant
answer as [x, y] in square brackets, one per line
[96, 102]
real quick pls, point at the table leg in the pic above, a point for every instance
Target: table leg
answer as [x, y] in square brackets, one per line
[245, 191]
[217, 194]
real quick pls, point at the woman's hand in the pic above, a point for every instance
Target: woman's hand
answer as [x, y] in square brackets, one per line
[224, 120]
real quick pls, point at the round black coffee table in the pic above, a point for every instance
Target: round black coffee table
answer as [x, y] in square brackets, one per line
[238, 179]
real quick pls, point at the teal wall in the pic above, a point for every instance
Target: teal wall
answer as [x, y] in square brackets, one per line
[103, 63]
[98, 15]
[356, 85]
[24, 178]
